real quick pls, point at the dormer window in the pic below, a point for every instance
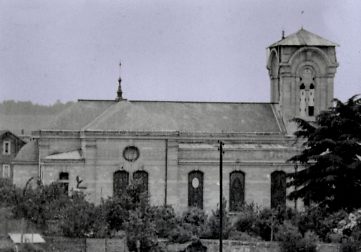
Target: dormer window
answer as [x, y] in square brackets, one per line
[6, 147]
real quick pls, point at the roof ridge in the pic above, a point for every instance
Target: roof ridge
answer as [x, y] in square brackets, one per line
[210, 102]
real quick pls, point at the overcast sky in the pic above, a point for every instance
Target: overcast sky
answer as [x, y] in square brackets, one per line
[203, 50]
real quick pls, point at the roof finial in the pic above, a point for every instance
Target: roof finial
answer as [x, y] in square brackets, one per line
[119, 91]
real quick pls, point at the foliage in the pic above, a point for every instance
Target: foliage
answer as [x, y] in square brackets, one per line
[8, 193]
[246, 220]
[331, 158]
[319, 221]
[27, 107]
[180, 234]
[292, 241]
[262, 223]
[80, 218]
[40, 204]
[242, 236]
[213, 223]
[140, 228]
[29, 247]
[194, 221]
[164, 219]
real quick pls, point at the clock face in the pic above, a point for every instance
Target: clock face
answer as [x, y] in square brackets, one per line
[131, 153]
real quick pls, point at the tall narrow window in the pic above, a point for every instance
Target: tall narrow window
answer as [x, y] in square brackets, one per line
[6, 172]
[303, 100]
[6, 147]
[195, 189]
[64, 181]
[307, 93]
[142, 177]
[120, 183]
[278, 189]
[311, 100]
[236, 190]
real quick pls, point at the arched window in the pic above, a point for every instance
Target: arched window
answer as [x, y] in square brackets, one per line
[120, 182]
[195, 189]
[236, 190]
[64, 181]
[278, 189]
[307, 93]
[142, 178]
[303, 100]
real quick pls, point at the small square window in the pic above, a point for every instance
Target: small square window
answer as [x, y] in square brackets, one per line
[6, 148]
[6, 171]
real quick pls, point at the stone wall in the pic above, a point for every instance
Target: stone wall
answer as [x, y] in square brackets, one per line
[241, 246]
[62, 244]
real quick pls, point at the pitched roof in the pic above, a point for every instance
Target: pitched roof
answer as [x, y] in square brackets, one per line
[80, 114]
[28, 153]
[26, 238]
[8, 132]
[209, 117]
[303, 38]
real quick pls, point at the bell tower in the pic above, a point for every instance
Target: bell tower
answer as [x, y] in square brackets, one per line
[302, 68]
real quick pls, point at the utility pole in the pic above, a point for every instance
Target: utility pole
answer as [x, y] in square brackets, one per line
[220, 195]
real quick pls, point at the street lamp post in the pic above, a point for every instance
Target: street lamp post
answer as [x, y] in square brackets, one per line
[220, 195]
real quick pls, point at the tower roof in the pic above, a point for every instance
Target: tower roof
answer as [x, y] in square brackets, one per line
[303, 38]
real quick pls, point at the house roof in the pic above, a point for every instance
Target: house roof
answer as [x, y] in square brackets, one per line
[8, 132]
[209, 117]
[303, 38]
[26, 238]
[28, 153]
[79, 114]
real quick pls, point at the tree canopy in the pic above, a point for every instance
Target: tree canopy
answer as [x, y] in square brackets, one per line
[330, 162]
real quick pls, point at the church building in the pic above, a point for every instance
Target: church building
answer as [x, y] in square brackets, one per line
[100, 146]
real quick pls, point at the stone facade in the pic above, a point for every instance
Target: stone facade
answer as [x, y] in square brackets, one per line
[95, 146]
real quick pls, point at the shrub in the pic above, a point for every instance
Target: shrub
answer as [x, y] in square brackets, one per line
[291, 239]
[179, 234]
[82, 219]
[246, 220]
[321, 222]
[241, 236]
[164, 219]
[8, 193]
[140, 228]
[194, 221]
[213, 223]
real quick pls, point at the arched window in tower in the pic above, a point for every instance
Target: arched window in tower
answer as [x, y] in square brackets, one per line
[236, 190]
[278, 189]
[120, 182]
[311, 100]
[195, 189]
[307, 93]
[141, 177]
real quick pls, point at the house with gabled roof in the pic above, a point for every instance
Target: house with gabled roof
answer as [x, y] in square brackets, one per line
[100, 146]
[10, 144]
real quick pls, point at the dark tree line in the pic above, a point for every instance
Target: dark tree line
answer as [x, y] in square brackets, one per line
[331, 158]
[27, 107]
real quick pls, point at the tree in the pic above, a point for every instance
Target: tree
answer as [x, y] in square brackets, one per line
[331, 158]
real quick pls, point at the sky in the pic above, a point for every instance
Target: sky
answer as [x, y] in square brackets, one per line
[204, 50]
